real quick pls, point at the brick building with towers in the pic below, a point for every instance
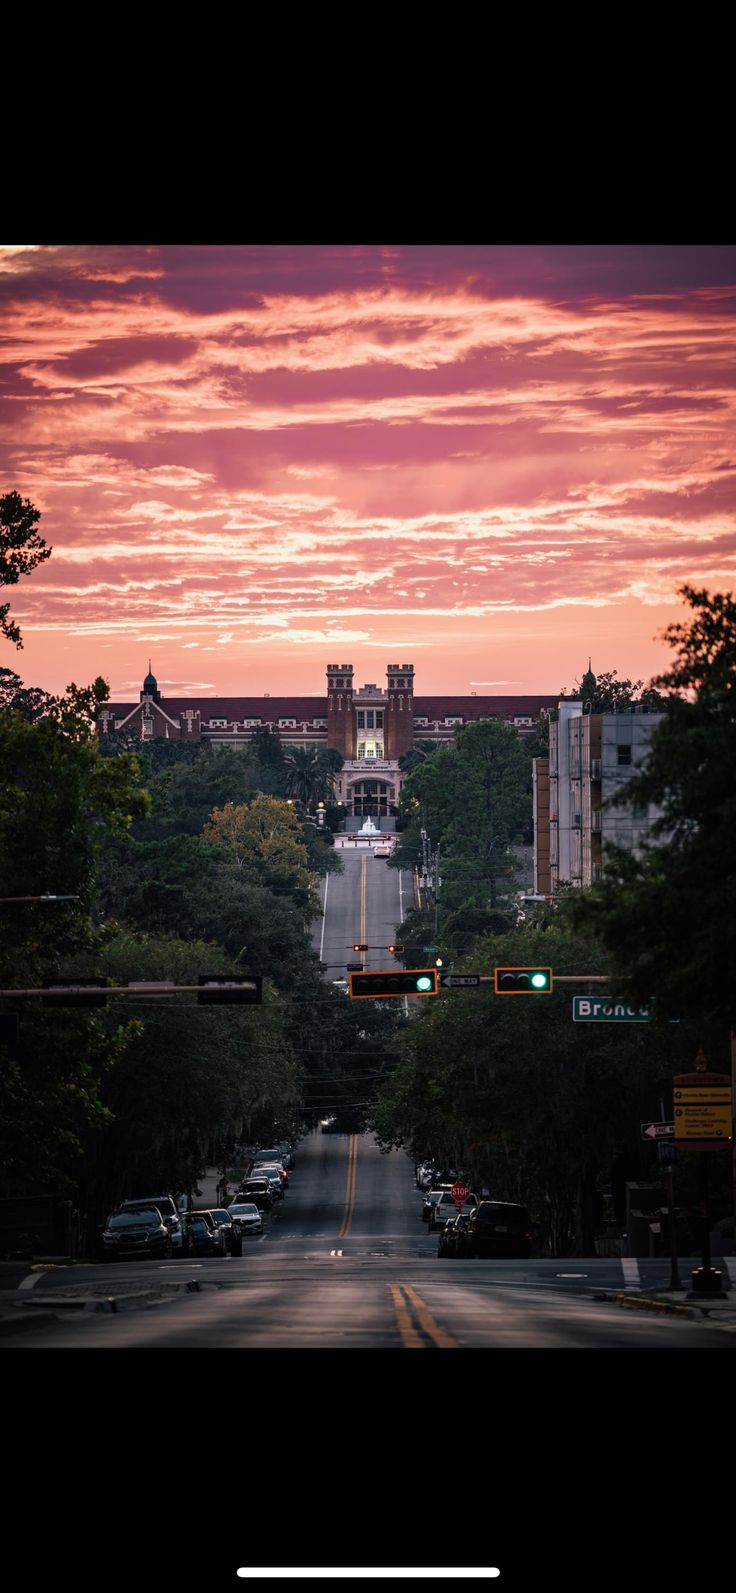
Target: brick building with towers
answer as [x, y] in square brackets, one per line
[372, 726]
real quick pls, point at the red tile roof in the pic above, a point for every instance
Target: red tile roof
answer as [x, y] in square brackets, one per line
[271, 709]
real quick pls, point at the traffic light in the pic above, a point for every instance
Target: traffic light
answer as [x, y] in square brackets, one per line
[361, 945]
[396, 951]
[522, 981]
[218, 990]
[376, 986]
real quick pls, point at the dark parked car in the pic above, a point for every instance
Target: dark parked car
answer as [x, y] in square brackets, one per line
[453, 1237]
[204, 1237]
[168, 1209]
[500, 1229]
[257, 1190]
[222, 1219]
[135, 1233]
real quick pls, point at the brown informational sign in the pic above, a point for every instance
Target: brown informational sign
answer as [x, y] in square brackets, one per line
[703, 1110]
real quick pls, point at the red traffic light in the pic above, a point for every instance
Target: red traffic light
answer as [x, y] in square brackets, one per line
[360, 945]
[395, 950]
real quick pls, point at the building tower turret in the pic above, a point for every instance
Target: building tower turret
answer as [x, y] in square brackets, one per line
[150, 686]
[400, 711]
[340, 717]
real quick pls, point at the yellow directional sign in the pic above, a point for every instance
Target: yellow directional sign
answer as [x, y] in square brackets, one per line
[703, 1113]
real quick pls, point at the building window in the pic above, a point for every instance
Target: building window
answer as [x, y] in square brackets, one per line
[361, 719]
[218, 724]
[361, 749]
[420, 721]
[453, 719]
[286, 724]
[624, 753]
[369, 719]
[379, 749]
[379, 719]
[319, 724]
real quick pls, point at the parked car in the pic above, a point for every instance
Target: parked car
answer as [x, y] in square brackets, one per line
[270, 1154]
[135, 1233]
[204, 1236]
[500, 1229]
[168, 1209]
[257, 1190]
[223, 1220]
[277, 1178]
[455, 1234]
[288, 1153]
[425, 1173]
[445, 1209]
[431, 1198]
[246, 1216]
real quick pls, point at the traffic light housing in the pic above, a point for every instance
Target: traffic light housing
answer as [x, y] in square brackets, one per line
[361, 945]
[377, 986]
[396, 951]
[522, 981]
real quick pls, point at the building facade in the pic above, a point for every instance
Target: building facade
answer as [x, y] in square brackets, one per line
[591, 756]
[371, 726]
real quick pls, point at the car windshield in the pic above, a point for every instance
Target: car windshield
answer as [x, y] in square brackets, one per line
[131, 1219]
[200, 1222]
[220, 1216]
[244, 1211]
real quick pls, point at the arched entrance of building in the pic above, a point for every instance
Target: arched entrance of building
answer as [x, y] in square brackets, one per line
[370, 799]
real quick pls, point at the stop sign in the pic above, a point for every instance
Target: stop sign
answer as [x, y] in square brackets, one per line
[459, 1193]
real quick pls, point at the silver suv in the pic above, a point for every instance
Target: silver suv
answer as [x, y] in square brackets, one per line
[168, 1209]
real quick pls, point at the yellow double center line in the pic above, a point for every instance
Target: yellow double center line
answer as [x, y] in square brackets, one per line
[411, 1339]
[347, 1221]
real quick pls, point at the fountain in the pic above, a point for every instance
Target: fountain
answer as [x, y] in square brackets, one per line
[368, 828]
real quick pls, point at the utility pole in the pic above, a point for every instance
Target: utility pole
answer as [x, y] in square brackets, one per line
[437, 883]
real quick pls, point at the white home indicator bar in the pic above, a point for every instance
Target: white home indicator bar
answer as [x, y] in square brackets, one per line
[370, 1571]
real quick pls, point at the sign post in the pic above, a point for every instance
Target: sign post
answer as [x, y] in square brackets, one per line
[703, 1122]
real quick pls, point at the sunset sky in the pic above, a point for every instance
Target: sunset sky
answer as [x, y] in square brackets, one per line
[251, 461]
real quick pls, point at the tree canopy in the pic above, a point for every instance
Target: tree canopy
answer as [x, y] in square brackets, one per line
[21, 550]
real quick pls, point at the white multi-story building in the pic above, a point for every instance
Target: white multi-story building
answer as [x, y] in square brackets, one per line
[591, 755]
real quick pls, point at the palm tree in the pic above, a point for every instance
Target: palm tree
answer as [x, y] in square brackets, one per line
[417, 754]
[310, 773]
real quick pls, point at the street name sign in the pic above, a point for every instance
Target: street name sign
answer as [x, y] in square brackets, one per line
[450, 981]
[597, 1009]
[657, 1130]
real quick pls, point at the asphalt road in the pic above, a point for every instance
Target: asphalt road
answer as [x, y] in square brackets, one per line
[364, 904]
[346, 1262]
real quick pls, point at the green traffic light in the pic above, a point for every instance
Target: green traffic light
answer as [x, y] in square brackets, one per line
[539, 981]
[424, 983]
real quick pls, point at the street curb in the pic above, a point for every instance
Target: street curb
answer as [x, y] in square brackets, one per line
[644, 1303]
[55, 1305]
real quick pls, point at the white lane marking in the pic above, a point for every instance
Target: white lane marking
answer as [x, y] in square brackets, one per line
[324, 925]
[383, 1570]
[571, 1274]
[31, 1281]
[336, 1252]
[630, 1269]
